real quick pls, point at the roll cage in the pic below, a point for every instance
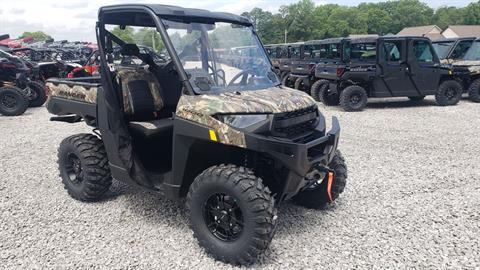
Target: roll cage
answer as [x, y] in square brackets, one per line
[151, 16]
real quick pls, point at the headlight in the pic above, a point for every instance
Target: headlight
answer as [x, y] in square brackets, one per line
[242, 120]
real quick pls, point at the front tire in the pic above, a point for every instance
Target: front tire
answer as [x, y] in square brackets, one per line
[316, 196]
[38, 95]
[474, 91]
[12, 101]
[353, 98]
[83, 166]
[232, 213]
[449, 93]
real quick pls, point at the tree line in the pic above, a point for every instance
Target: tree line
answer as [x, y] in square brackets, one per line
[304, 20]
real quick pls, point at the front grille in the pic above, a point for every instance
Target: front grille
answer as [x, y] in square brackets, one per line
[295, 124]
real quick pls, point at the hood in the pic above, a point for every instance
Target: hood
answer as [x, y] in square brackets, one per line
[473, 66]
[270, 100]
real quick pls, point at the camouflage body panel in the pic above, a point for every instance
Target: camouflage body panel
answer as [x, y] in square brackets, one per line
[473, 66]
[126, 76]
[81, 93]
[202, 108]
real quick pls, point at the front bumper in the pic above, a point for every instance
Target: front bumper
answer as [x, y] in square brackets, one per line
[298, 158]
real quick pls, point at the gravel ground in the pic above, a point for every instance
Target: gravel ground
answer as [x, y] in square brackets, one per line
[412, 201]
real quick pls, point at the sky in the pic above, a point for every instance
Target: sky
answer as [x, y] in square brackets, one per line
[75, 19]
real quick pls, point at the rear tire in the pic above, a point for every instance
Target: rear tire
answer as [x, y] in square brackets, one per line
[353, 98]
[224, 195]
[449, 93]
[83, 166]
[299, 85]
[315, 90]
[39, 96]
[316, 196]
[13, 101]
[474, 91]
[287, 81]
[327, 98]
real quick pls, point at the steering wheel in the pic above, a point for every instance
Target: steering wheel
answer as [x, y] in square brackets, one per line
[244, 74]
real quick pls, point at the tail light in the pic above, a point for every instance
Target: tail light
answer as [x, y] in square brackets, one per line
[47, 90]
[340, 72]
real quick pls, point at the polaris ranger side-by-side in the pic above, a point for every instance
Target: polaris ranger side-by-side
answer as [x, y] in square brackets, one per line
[468, 70]
[393, 67]
[331, 61]
[231, 140]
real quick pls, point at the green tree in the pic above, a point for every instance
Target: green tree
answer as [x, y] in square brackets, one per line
[445, 16]
[472, 13]
[126, 34]
[405, 13]
[38, 35]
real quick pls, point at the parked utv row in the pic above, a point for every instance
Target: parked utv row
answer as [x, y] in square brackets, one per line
[349, 71]
[18, 88]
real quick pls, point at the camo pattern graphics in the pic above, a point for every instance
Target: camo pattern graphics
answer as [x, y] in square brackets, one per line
[125, 78]
[473, 66]
[73, 92]
[202, 108]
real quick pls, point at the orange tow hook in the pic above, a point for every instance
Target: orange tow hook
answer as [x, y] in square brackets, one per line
[329, 186]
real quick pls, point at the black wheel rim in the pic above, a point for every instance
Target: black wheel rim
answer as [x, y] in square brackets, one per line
[8, 101]
[74, 168]
[451, 93]
[223, 217]
[355, 100]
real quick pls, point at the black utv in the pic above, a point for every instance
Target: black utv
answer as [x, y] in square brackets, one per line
[452, 49]
[295, 51]
[330, 61]
[231, 140]
[302, 70]
[17, 89]
[392, 67]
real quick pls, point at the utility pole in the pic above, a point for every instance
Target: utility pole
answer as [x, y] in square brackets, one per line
[286, 35]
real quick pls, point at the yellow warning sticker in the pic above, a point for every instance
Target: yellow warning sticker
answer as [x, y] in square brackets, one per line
[213, 136]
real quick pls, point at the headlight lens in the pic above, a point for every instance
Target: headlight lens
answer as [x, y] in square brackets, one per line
[242, 120]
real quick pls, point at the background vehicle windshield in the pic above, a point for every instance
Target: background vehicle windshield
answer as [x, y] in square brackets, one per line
[221, 56]
[473, 53]
[361, 52]
[442, 48]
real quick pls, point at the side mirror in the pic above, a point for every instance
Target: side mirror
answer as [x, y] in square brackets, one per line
[123, 27]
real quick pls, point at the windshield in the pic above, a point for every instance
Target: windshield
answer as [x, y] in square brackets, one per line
[221, 56]
[473, 53]
[442, 48]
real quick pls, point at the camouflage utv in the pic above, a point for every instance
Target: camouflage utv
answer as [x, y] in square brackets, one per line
[468, 70]
[230, 140]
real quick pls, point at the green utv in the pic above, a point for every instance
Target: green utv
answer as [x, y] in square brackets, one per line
[231, 140]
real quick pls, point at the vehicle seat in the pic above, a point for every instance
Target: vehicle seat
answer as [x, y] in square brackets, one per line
[143, 102]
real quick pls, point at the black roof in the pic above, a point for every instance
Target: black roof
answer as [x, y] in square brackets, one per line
[452, 39]
[129, 14]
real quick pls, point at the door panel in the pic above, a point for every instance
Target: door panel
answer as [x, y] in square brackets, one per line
[423, 64]
[393, 70]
